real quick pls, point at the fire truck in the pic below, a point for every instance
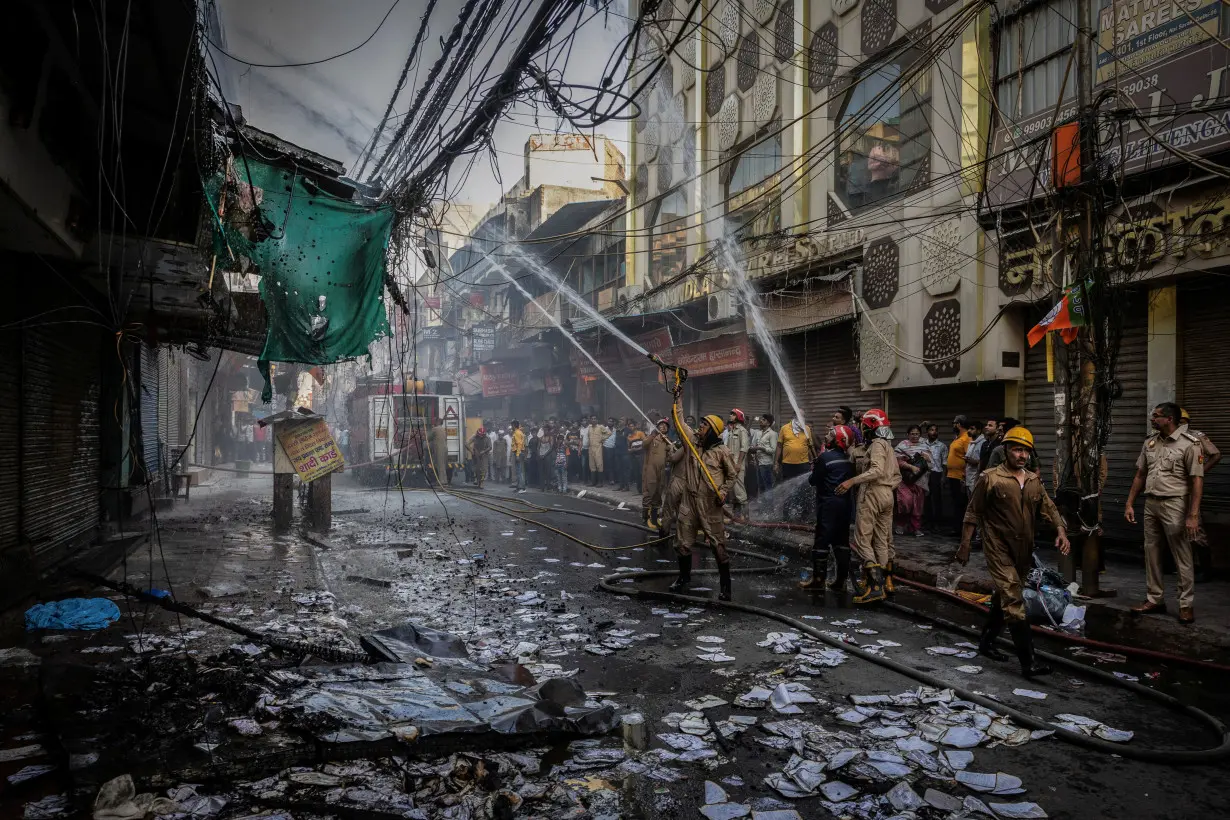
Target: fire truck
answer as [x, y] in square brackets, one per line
[389, 427]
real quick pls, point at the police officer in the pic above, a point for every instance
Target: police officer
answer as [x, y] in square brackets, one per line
[832, 510]
[1170, 470]
[873, 520]
[1202, 554]
[700, 507]
[1004, 507]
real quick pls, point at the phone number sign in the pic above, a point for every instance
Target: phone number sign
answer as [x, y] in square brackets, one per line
[310, 447]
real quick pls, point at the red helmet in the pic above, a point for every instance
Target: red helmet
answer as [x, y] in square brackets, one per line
[843, 437]
[875, 418]
[738, 414]
[482, 431]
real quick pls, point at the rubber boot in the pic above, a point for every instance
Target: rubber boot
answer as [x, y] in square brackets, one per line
[819, 571]
[685, 574]
[890, 589]
[651, 518]
[724, 582]
[874, 590]
[842, 558]
[645, 516]
[1023, 638]
[990, 632]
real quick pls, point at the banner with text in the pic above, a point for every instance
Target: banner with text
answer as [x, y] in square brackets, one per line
[310, 447]
[500, 380]
[723, 354]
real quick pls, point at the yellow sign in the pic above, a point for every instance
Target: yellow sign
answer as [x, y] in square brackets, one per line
[310, 448]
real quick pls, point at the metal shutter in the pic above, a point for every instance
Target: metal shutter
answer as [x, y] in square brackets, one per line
[940, 405]
[823, 366]
[15, 569]
[60, 458]
[748, 390]
[1204, 335]
[170, 389]
[1039, 407]
[640, 386]
[148, 388]
[1129, 419]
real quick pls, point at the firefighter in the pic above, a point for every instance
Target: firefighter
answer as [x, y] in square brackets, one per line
[1004, 507]
[700, 508]
[480, 451]
[873, 519]
[653, 473]
[832, 510]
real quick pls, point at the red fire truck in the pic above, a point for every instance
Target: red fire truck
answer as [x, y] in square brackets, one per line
[389, 427]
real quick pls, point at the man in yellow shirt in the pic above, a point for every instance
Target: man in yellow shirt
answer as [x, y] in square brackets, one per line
[955, 470]
[518, 454]
[795, 451]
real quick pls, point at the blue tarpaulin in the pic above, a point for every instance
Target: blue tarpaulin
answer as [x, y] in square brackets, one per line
[73, 613]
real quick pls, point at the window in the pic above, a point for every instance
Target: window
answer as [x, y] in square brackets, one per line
[1034, 49]
[668, 238]
[753, 202]
[884, 131]
[602, 273]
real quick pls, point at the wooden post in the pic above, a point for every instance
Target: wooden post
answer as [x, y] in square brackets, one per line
[320, 503]
[283, 501]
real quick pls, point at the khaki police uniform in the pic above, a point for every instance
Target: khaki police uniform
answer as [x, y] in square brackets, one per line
[1209, 450]
[653, 471]
[598, 433]
[739, 442]
[873, 517]
[1170, 463]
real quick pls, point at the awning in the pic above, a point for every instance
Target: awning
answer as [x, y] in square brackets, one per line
[796, 312]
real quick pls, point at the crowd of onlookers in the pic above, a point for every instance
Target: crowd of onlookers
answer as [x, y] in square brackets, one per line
[937, 475]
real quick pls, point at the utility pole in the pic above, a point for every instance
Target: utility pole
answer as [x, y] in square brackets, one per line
[1083, 417]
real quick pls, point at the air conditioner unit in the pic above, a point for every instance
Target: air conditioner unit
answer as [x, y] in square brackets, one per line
[624, 297]
[723, 306]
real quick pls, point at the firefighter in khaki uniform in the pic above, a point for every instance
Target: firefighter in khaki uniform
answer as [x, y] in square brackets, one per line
[653, 473]
[739, 442]
[873, 517]
[1004, 507]
[700, 508]
[1170, 470]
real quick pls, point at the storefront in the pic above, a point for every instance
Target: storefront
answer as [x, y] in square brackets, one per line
[823, 367]
[724, 371]
[941, 404]
[1203, 385]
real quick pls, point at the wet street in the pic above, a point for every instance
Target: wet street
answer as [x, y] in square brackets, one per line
[733, 701]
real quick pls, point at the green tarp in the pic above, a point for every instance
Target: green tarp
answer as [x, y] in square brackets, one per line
[307, 244]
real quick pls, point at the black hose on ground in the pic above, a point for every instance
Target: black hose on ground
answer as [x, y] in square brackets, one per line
[1169, 756]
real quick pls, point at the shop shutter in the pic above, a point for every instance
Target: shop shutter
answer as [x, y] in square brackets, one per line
[823, 366]
[641, 386]
[14, 560]
[1039, 408]
[941, 404]
[148, 389]
[1204, 384]
[60, 457]
[748, 390]
[1129, 419]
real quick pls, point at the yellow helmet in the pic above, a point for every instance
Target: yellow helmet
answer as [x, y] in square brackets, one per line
[716, 424]
[1019, 435]
[1183, 417]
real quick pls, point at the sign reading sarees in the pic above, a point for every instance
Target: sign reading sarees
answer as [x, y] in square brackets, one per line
[722, 354]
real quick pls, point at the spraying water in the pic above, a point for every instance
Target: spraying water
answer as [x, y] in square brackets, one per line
[571, 338]
[545, 274]
[729, 258]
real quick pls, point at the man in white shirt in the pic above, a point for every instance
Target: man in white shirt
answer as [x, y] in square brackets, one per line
[584, 452]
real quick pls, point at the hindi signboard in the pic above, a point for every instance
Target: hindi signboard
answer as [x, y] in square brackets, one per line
[310, 447]
[722, 354]
[500, 380]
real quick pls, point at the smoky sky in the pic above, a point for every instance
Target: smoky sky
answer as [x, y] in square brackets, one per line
[332, 108]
